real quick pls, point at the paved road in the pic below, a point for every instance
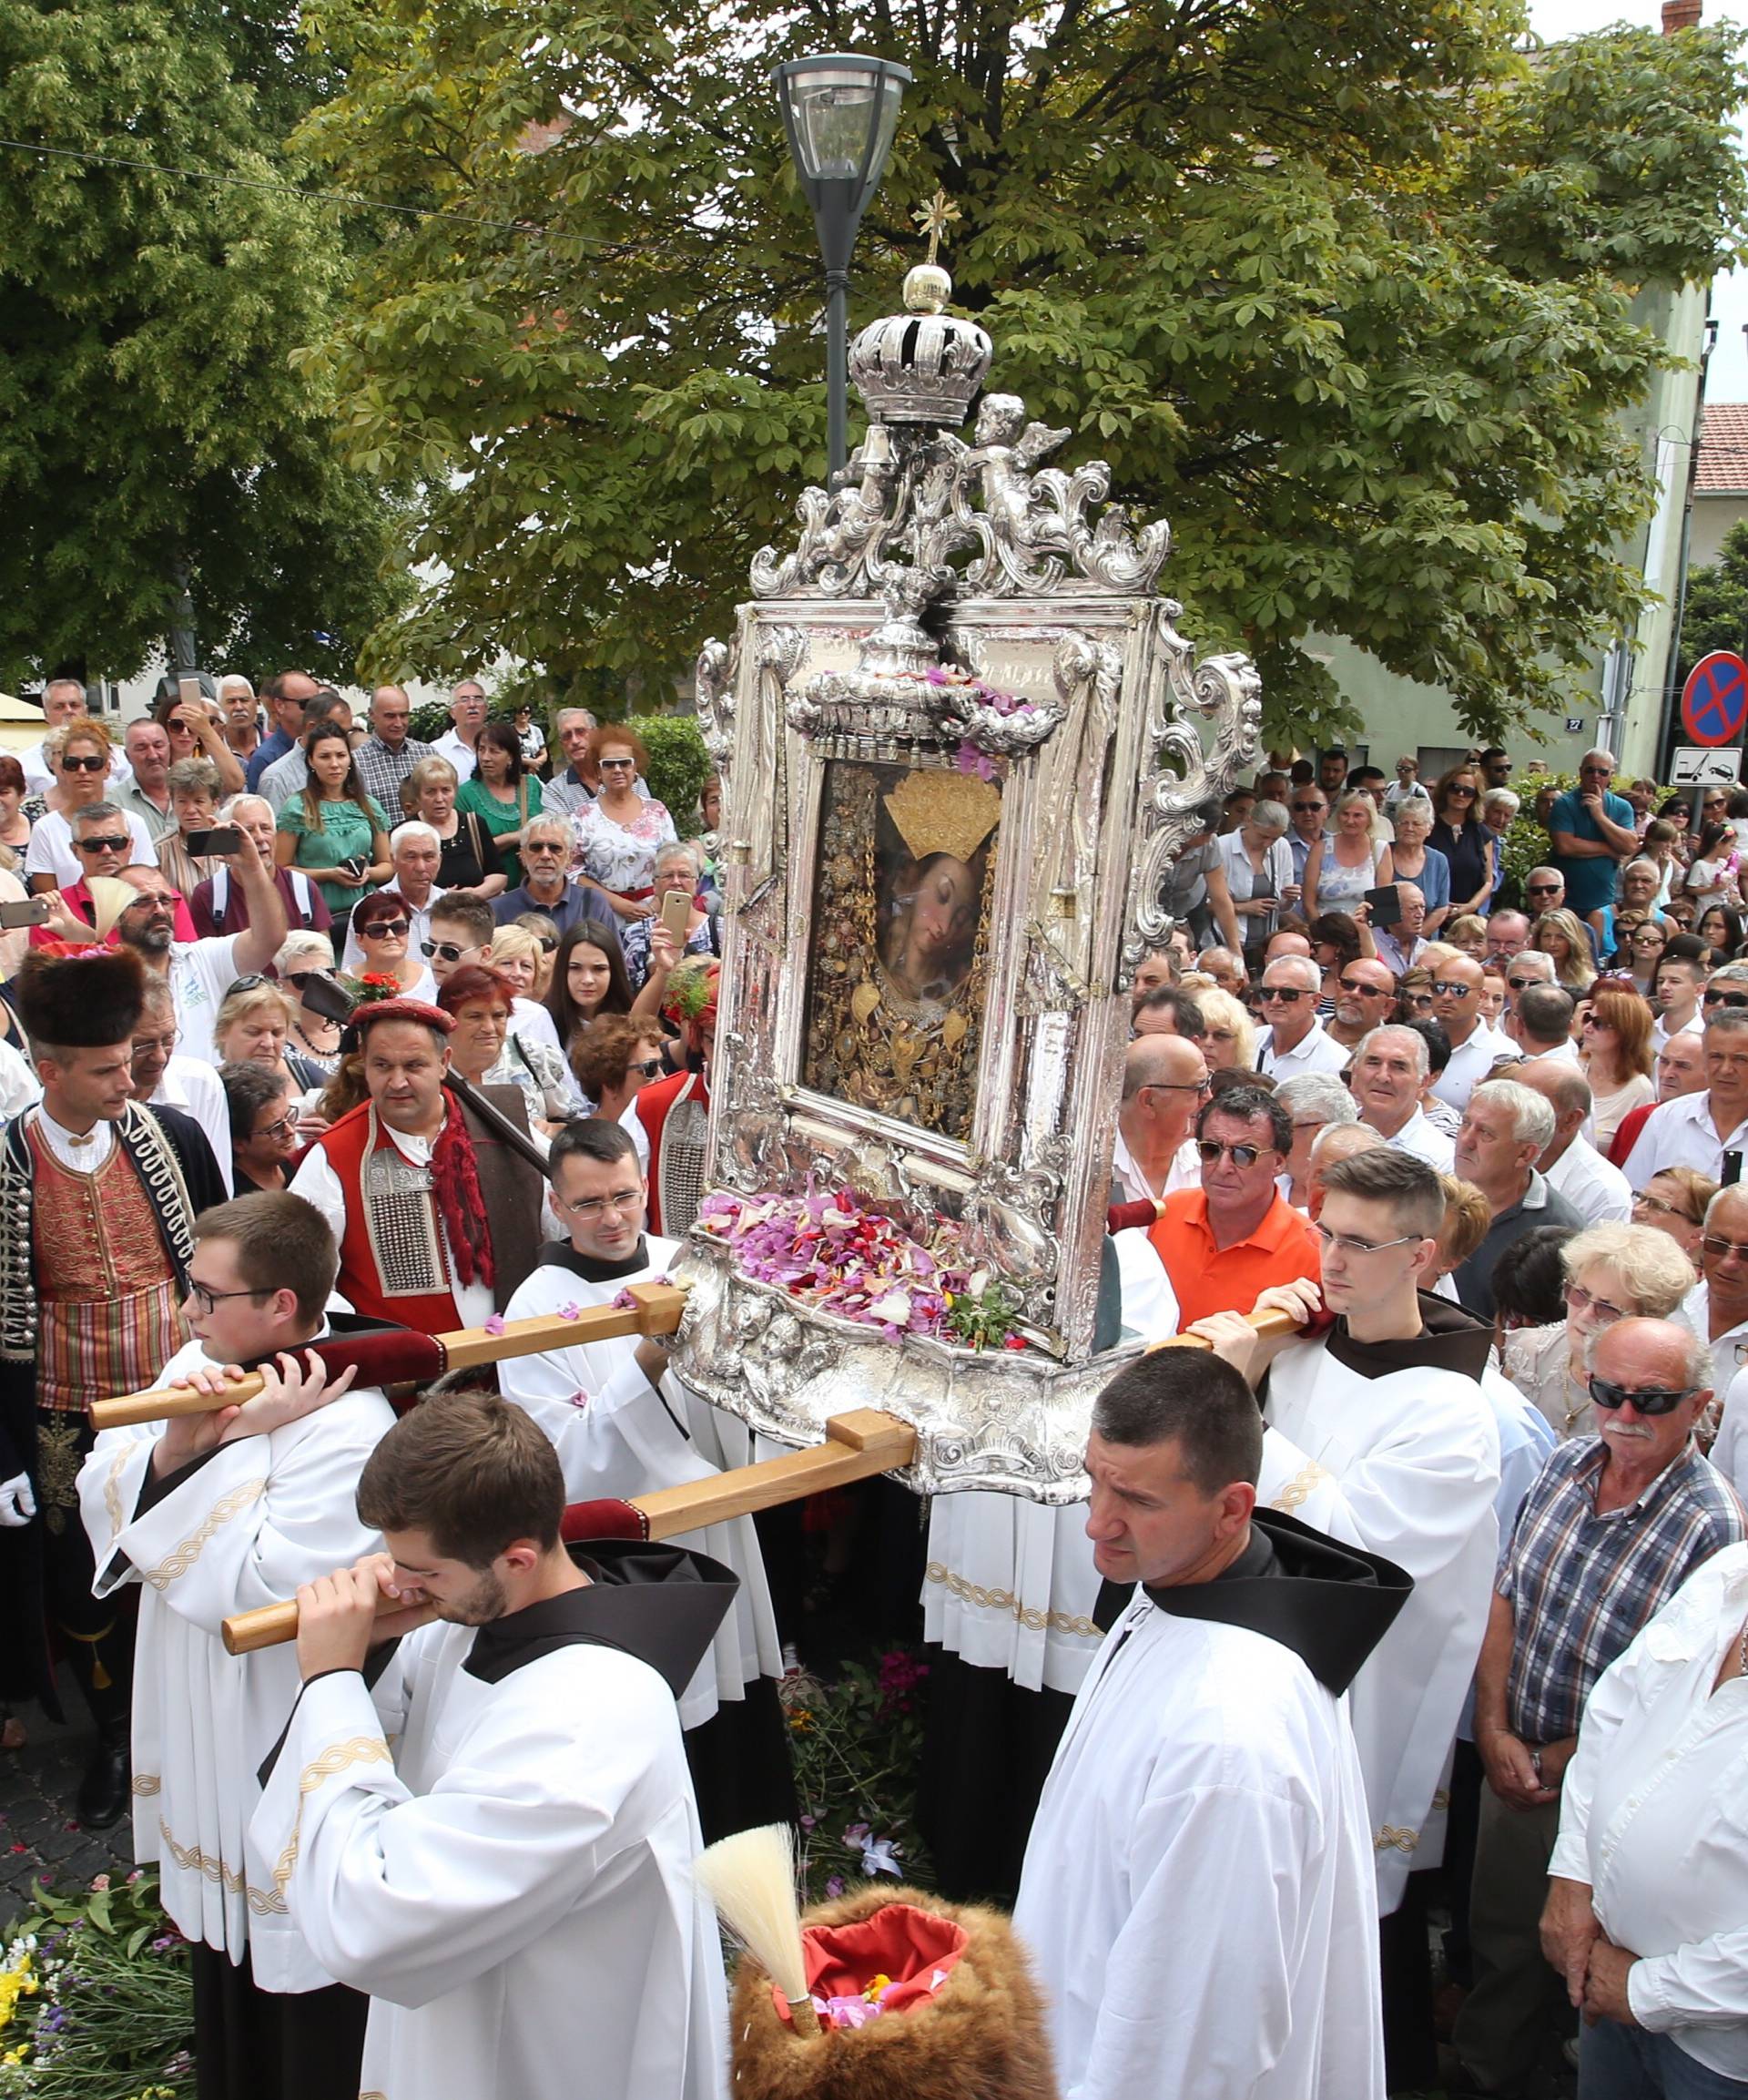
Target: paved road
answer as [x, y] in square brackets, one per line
[38, 1834]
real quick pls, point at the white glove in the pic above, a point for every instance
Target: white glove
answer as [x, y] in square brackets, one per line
[17, 1504]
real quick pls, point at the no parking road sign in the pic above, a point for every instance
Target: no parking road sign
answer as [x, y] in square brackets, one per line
[1714, 700]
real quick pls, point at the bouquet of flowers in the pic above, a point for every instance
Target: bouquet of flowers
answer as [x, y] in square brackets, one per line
[95, 1998]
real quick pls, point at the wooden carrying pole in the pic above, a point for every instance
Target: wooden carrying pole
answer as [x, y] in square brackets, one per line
[858, 1445]
[656, 1311]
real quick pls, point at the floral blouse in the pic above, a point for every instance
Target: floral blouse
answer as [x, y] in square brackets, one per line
[620, 857]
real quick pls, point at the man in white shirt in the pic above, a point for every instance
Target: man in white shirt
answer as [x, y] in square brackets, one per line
[63, 700]
[1475, 1048]
[416, 853]
[1716, 1309]
[1206, 1815]
[162, 1079]
[1541, 1023]
[1530, 967]
[1708, 1131]
[1507, 934]
[1295, 1042]
[201, 971]
[205, 1515]
[1165, 1083]
[1389, 1075]
[1675, 999]
[459, 743]
[1571, 1166]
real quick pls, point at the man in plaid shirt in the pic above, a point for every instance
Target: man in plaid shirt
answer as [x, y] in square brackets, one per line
[1612, 1527]
[389, 754]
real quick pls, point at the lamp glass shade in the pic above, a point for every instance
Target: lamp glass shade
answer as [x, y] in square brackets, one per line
[840, 113]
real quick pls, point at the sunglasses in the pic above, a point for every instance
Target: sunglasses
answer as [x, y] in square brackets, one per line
[381, 926]
[618, 765]
[1721, 1249]
[1308, 809]
[1587, 1301]
[101, 842]
[1729, 999]
[1447, 988]
[1460, 794]
[548, 942]
[1518, 983]
[1366, 990]
[297, 979]
[447, 950]
[649, 1067]
[1543, 890]
[95, 763]
[1653, 1400]
[1210, 1150]
[1292, 994]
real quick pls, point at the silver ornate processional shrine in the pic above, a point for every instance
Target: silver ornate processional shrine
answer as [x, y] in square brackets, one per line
[960, 742]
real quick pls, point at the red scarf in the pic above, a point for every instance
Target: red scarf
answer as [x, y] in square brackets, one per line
[455, 1183]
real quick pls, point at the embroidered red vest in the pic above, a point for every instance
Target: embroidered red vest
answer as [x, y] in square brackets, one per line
[393, 1264]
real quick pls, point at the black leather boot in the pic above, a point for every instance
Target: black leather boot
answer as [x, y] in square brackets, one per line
[105, 1790]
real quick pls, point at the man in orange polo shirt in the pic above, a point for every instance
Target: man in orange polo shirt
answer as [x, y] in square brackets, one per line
[1236, 1235]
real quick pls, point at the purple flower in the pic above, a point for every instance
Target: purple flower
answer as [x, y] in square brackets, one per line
[835, 1886]
[971, 760]
[579, 1398]
[492, 1323]
[937, 676]
[624, 1302]
[569, 1310]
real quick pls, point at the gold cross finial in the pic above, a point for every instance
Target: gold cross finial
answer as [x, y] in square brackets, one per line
[934, 219]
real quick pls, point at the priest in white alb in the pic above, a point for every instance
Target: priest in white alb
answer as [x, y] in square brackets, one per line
[215, 1514]
[624, 1424]
[1198, 1895]
[495, 1840]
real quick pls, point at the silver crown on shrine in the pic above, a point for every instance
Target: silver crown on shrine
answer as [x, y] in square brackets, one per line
[922, 366]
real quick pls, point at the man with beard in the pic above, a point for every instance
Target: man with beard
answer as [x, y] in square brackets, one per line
[495, 1839]
[1364, 999]
[98, 1195]
[199, 973]
[623, 1424]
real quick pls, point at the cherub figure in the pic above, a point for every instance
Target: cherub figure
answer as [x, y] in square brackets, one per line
[1009, 449]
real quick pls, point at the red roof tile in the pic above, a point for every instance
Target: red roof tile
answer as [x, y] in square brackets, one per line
[1724, 448]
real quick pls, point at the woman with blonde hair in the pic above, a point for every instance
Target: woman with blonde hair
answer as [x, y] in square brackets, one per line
[1342, 867]
[1469, 1216]
[1614, 1047]
[1612, 1273]
[1230, 1043]
[1558, 934]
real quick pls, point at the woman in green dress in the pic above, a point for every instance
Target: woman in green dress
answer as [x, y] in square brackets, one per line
[502, 794]
[333, 829]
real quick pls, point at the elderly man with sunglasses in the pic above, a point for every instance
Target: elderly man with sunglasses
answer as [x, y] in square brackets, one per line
[1224, 1244]
[1612, 1529]
[1294, 1042]
[1707, 1131]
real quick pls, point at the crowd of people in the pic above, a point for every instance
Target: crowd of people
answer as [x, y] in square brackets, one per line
[1413, 1596]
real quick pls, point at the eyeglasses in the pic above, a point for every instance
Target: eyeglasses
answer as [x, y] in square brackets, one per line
[1364, 990]
[542, 846]
[1653, 1400]
[649, 1067]
[624, 1203]
[1448, 988]
[1345, 1242]
[1727, 999]
[285, 1126]
[1721, 1249]
[1584, 1301]
[102, 842]
[1210, 1150]
[1645, 1202]
[210, 1300]
[447, 950]
[1291, 993]
[95, 763]
[1176, 1086]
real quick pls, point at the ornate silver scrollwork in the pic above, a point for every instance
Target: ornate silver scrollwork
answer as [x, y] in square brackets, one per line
[714, 679]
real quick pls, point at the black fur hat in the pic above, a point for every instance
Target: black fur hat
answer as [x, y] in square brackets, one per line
[80, 999]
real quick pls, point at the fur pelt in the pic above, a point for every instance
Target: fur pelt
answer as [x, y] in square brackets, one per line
[982, 2038]
[85, 1001]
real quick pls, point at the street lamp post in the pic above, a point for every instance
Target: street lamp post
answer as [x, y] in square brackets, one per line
[839, 112]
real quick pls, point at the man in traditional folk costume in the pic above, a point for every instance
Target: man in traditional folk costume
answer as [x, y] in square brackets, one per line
[621, 1424]
[438, 1219]
[1198, 1889]
[209, 1515]
[675, 1113]
[1389, 1401]
[98, 1197]
[512, 1881]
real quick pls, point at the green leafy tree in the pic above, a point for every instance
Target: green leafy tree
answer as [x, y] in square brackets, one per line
[152, 431]
[1345, 291]
[1716, 615]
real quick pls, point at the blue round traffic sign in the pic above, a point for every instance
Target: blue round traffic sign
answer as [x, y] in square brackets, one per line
[1714, 700]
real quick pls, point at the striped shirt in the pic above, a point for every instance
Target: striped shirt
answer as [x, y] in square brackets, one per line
[1581, 1585]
